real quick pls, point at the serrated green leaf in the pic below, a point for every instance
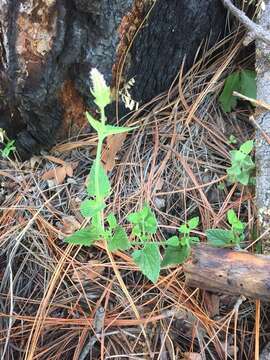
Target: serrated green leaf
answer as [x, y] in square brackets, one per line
[173, 241]
[100, 90]
[112, 221]
[175, 255]
[247, 147]
[85, 236]
[148, 260]
[89, 208]
[113, 130]
[193, 223]
[226, 99]
[232, 217]
[104, 187]
[119, 240]
[97, 125]
[219, 237]
[248, 85]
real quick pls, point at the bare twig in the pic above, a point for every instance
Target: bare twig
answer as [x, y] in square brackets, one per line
[259, 103]
[256, 31]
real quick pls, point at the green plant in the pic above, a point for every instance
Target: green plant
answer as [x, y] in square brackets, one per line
[232, 139]
[98, 185]
[146, 253]
[244, 82]
[178, 248]
[9, 145]
[227, 238]
[242, 164]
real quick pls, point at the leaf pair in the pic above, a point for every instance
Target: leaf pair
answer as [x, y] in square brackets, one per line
[106, 130]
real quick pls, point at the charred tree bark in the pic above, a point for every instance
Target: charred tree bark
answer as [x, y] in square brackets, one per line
[228, 271]
[48, 47]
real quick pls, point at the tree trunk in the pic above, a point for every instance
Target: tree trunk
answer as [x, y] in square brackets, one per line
[228, 271]
[48, 47]
[262, 146]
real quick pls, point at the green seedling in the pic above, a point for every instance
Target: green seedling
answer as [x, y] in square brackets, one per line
[242, 164]
[98, 185]
[232, 139]
[227, 238]
[178, 248]
[8, 145]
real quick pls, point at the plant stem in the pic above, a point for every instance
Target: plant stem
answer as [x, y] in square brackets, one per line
[99, 198]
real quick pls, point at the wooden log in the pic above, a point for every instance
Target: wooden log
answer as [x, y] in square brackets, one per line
[229, 271]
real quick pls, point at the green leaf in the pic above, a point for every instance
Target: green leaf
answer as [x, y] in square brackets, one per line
[85, 236]
[232, 139]
[148, 260]
[145, 219]
[97, 125]
[248, 83]
[89, 208]
[185, 240]
[219, 237]
[104, 187]
[243, 178]
[8, 148]
[237, 156]
[193, 223]
[112, 130]
[175, 255]
[226, 99]
[100, 90]
[173, 241]
[221, 186]
[247, 147]
[231, 216]
[184, 229]
[112, 221]
[119, 241]
[194, 240]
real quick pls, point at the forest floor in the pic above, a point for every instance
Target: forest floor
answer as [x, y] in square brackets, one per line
[59, 301]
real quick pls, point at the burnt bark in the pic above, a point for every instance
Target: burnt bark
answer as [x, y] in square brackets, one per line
[228, 271]
[48, 47]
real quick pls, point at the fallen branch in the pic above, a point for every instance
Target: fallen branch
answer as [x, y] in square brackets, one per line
[229, 271]
[256, 31]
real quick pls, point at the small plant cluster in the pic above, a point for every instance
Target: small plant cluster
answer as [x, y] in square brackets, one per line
[242, 164]
[8, 145]
[146, 252]
[143, 223]
[227, 238]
